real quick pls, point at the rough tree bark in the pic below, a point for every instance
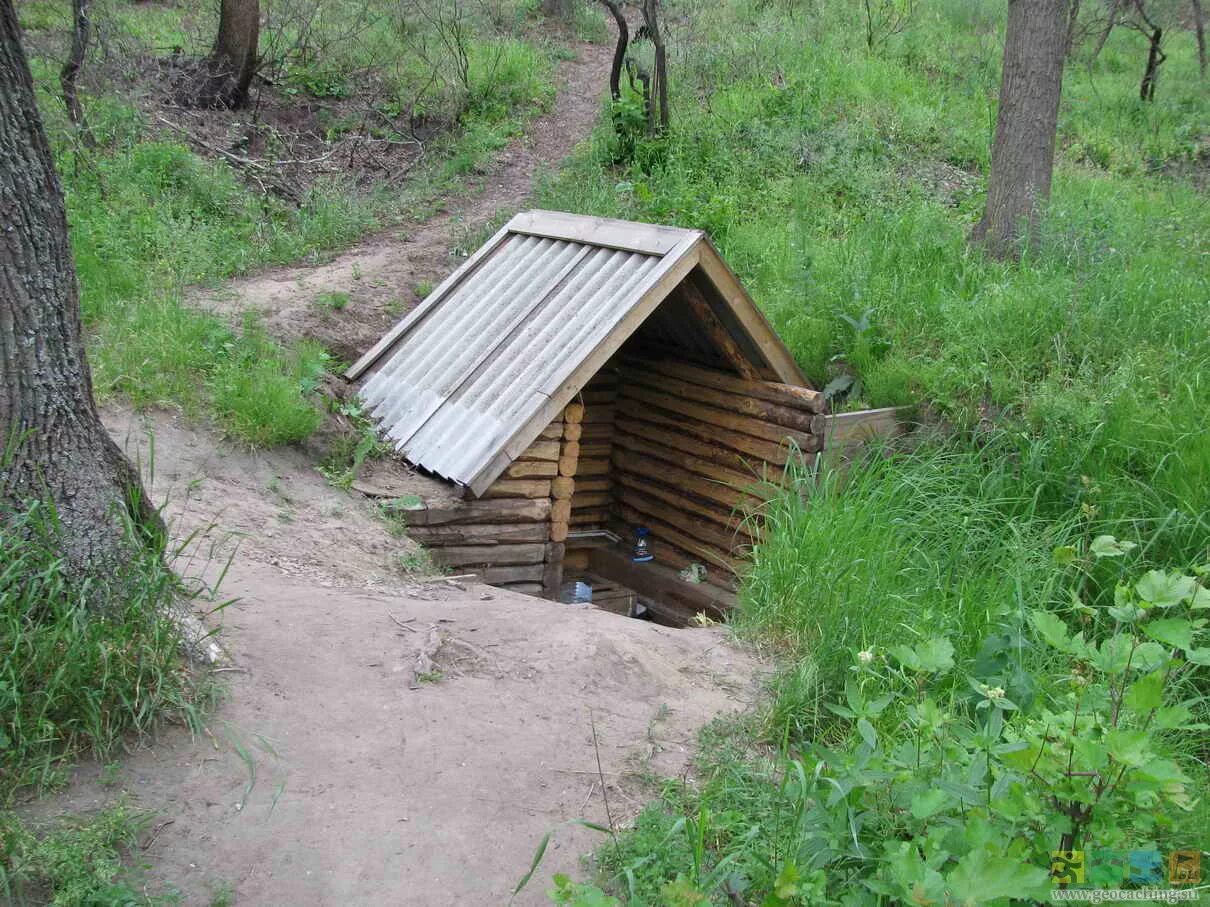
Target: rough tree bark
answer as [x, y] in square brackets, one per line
[619, 51]
[75, 62]
[227, 72]
[651, 17]
[1199, 29]
[1024, 148]
[53, 446]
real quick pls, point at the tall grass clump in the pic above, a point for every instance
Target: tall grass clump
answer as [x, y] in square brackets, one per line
[82, 663]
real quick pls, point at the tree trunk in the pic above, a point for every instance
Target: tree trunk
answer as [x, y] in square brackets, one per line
[53, 447]
[619, 51]
[651, 15]
[75, 62]
[1199, 29]
[228, 71]
[1024, 149]
[1155, 56]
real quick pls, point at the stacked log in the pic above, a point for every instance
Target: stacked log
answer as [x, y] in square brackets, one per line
[504, 536]
[592, 502]
[696, 451]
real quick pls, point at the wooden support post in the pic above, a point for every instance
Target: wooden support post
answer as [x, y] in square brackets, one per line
[552, 576]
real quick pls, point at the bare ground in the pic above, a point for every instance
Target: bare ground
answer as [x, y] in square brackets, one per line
[383, 275]
[333, 774]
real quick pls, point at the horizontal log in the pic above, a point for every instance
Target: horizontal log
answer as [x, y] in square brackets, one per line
[592, 467]
[729, 498]
[596, 450]
[863, 425]
[599, 396]
[478, 534]
[782, 394]
[592, 484]
[714, 416]
[567, 466]
[562, 488]
[523, 469]
[725, 518]
[571, 449]
[744, 445]
[688, 444]
[636, 507]
[573, 413]
[671, 555]
[518, 488]
[489, 555]
[595, 415]
[706, 552]
[575, 559]
[659, 582]
[558, 530]
[527, 573]
[573, 432]
[541, 450]
[560, 511]
[704, 469]
[506, 510]
[596, 499]
[601, 431]
[553, 432]
[590, 517]
[731, 401]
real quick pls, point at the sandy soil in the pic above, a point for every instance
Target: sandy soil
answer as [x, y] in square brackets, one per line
[381, 276]
[332, 774]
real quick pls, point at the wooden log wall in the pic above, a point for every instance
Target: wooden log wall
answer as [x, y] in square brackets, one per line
[512, 536]
[592, 503]
[695, 451]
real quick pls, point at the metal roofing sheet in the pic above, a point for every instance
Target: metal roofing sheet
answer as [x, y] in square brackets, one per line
[475, 367]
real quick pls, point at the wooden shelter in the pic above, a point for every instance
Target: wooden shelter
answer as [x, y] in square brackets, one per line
[577, 378]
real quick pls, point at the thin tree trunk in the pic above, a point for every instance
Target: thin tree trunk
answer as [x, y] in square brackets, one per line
[1110, 21]
[75, 62]
[1073, 23]
[227, 73]
[1024, 149]
[53, 447]
[1199, 29]
[1155, 57]
[619, 51]
[652, 16]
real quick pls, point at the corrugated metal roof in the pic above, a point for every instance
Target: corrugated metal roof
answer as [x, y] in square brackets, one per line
[463, 381]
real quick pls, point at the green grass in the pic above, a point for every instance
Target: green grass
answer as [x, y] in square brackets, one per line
[84, 664]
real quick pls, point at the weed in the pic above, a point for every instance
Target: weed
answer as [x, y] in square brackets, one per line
[332, 300]
[423, 289]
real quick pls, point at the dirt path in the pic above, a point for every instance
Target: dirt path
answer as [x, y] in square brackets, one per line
[382, 275]
[331, 775]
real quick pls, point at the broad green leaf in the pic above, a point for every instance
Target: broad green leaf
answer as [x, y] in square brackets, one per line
[1108, 546]
[1065, 555]
[1201, 599]
[1198, 656]
[1171, 631]
[1050, 628]
[1164, 589]
[932, 655]
[929, 803]
[867, 732]
[1114, 654]
[1146, 693]
[1128, 746]
[984, 876]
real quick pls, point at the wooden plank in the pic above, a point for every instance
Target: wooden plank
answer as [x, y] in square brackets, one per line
[531, 469]
[552, 577]
[562, 488]
[729, 498]
[508, 510]
[528, 573]
[636, 508]
[519, 488]
[541, 450]
[657, 582]
[729, 401]
[863, 425]
[649, 239]
[716, 331]
[534, 589]
[412, 318]
[774, 392]
[552, 432]
[714, 416]
[728, 520]
[751, 317]
[705, 470]
[478, 534]
[489, 555]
